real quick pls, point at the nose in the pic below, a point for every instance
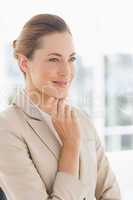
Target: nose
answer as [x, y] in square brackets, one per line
[65, 69]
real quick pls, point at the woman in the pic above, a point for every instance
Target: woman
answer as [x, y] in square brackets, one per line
[48, 149]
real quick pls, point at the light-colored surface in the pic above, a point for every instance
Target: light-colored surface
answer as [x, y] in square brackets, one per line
[122, 164]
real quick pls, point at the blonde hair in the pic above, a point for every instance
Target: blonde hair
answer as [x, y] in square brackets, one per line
[30, 37]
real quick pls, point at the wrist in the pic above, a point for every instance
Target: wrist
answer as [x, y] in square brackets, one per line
[71, 146]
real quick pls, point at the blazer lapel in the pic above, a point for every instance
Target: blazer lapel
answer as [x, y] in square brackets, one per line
[35, 119]
[46, 135]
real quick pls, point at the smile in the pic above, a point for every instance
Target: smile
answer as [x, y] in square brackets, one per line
[61, 83]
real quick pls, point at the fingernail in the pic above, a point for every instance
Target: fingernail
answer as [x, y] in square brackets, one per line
[51, 98]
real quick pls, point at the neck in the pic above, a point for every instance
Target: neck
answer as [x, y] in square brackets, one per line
[39, 99]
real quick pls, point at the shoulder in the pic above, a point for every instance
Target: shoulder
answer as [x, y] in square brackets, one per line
[8, 114]
[11, 131]
[9, 120]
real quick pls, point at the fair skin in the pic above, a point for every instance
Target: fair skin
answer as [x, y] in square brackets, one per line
[48, 78]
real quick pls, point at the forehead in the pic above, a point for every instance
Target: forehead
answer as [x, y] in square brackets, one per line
[61, 43]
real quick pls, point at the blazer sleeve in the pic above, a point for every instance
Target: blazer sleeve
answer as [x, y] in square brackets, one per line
[20, 180]
[107, 187]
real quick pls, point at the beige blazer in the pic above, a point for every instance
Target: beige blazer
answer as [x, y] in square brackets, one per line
[29, 154]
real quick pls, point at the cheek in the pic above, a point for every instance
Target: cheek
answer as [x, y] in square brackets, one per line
[43, 74]
[41, 80]
[48, 75]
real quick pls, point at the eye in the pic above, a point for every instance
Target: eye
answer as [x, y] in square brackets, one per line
[72, 59]
[53, 59]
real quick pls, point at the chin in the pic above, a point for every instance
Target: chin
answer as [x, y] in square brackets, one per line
[59, 95]
[56, 93]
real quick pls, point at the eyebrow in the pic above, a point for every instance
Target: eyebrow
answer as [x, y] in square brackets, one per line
[57, 54]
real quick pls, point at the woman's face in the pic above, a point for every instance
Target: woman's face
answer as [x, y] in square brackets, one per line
[51, 69]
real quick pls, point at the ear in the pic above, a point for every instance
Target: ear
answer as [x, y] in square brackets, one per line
[23, 62]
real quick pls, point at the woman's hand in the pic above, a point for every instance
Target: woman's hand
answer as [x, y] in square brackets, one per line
[65, 122]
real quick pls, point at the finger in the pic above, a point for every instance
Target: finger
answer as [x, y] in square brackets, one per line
[73, 115]
[54, 108]
[68, 112]
[49, 101]
[60, 109]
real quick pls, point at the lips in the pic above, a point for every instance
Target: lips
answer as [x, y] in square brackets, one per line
[61, 83]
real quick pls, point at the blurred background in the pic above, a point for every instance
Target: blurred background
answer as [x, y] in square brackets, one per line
[103, 86]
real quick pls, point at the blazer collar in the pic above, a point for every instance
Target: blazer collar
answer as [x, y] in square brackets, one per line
[36, 121]
[24, 102]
